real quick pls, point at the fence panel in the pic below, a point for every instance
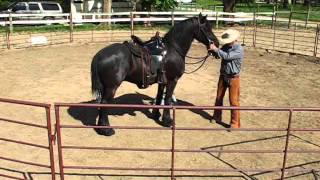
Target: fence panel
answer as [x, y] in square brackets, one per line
[23, 128]
[174, 149]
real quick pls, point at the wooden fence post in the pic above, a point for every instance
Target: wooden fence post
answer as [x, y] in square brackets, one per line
[71, 27]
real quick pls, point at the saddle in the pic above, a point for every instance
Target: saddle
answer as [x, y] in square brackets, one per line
[151, 69]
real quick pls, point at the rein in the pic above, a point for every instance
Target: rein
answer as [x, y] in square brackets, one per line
[202, 60]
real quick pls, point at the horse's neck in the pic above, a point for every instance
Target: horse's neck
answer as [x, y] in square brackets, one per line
[184, 46]
[183, 41]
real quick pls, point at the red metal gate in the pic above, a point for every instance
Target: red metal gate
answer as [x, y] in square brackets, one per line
[49, 136]
[173, 129]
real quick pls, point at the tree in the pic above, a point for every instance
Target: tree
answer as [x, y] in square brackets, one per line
[228, 5]
[285, 4]
[163, 5]
[107, 6]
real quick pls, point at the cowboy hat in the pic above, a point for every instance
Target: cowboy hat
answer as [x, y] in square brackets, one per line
[229, 36]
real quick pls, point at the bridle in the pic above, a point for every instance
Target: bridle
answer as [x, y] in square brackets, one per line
[201, 29]
[201, 60]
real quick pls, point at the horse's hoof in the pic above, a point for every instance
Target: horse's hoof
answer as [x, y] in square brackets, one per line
[167, 122]
[105, 132]
[156, 115]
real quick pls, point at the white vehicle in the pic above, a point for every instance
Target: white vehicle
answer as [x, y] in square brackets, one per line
[36, 7]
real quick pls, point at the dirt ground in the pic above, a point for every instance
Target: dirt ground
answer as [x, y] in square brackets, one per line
[62, 74]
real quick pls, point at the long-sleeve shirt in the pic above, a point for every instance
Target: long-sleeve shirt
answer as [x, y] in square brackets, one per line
[232, 57]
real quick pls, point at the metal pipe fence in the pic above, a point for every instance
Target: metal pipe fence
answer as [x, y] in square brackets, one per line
[173, 150]
[305, 42]
[48, 134]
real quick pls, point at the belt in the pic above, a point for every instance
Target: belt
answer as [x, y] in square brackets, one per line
[230, 76]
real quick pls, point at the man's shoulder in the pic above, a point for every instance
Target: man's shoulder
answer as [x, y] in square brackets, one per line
[238, 46]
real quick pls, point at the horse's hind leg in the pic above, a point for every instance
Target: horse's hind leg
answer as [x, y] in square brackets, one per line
[107, 97]
[166, 119]
[156, 112]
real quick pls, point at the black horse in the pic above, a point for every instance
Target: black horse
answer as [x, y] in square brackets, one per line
[116, 63]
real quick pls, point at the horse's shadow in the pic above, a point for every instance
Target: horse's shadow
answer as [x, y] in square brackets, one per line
[88, 115]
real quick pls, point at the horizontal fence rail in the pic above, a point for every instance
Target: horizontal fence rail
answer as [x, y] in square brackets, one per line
[8, 19]
[49, 136]
[174, 129]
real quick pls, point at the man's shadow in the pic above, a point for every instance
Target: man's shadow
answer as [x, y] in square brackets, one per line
[88, 115]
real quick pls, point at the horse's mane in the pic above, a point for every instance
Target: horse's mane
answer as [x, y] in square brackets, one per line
[176, 30]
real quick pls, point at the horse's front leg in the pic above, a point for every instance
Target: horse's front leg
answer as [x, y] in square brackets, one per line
[156, 112]
[166, 119]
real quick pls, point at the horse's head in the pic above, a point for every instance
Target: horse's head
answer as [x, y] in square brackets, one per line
[203, 31]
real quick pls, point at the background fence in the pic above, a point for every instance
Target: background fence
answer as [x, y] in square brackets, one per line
[282, 35]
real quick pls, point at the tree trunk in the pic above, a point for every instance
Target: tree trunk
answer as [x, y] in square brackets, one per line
[228, 5]
[107, 6]
[306, 2]
[285, 4]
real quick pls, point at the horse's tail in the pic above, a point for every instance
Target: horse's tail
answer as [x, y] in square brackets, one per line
[96, 84]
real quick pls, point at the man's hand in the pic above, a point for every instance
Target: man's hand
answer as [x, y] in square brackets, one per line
[213, 47]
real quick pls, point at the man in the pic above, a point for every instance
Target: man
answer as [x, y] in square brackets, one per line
[231, 55]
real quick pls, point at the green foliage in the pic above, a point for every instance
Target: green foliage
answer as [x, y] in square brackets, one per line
[163, 5]
[5, 3]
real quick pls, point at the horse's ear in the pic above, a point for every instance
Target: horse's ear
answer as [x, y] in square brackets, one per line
[202, 19]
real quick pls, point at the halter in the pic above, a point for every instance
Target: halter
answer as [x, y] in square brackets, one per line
[200, 29]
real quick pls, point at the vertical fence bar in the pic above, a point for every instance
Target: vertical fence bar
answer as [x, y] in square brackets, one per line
[316, 41]
[286, 145]
[71, 28]
[131, 23]
[51, 40]
[51, 138]
[308, 15]
[274, 38]
[92, 35]
[294, 36]
[255, 34]
[273, 17]
[173, 141]
[172, 18]
[30, 36]
[290, 16]
[59, 139]
[244, 34]
[10, 25]
[217, 20]
[8, 39]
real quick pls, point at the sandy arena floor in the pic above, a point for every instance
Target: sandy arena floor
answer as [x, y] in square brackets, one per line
[62, 74]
